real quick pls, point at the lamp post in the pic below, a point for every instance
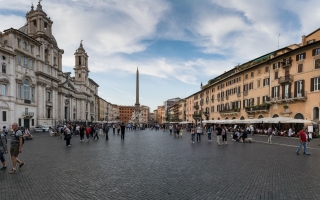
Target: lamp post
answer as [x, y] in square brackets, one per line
[201, 103]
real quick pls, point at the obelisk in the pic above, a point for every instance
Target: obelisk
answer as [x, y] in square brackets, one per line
[137, 105]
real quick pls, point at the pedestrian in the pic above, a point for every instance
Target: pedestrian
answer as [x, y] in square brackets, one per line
[16, 147]
[219, 132]
[303, 142]
[67, 136]
[224, 134]
[199, 132]
[87, 132]
[81, 131]
[269, 135]
[96, 132]
[5, 132]
[170, 129]
[106, 128]
[77, 129]
[123, 128]
[114, 128]
[3, 150]
[193, 132]
[209, 131]
[118, 128]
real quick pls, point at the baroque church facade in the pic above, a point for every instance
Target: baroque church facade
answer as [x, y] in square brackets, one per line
[34, 89]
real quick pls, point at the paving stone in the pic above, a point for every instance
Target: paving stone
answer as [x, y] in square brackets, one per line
[154, 165]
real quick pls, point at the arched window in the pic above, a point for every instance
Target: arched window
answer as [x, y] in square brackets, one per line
[275, 115]
[233, 118]
[316, 113]
[298, 116]
[26, 87]
[260, 116]
[226, 118]
[242, 118]
[4, 68]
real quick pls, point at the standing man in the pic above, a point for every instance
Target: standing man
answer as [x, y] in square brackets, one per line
[68, 136]
[114, 128]
[219, 132]
[16, 147]
[96, 132]
[303, 141]
[199, 132]
[269, 135]
[123, 129]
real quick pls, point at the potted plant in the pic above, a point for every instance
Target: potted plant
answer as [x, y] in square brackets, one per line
[285, 106]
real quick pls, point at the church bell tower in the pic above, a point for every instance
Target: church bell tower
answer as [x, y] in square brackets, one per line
[81, 70]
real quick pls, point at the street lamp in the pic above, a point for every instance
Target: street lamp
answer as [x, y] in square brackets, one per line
[201, 103]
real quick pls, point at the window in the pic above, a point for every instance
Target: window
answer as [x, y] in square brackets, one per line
[5, 42]
[315, 84]
[48, 96]
[276, 75]
[301, 56]
[316, 52]
[19, 59]
[275, 91]
[24, 45]
[258, 83]
[31, 64]
[3, 68]
[32, 122]
[259, 71]
[32, 93]
[265, 81]
[18, 42]
[276, 65]
[212, 109]
[26, 110]
[266, 69]
[246, 76]
[4, 116]
[252, 74]
[54, 60]
[251, 101]
[4, 90]
[250, 86]
[317, 64]
[31, 49]
[258, 100]
[299, 88]
[300, 68]
[25, 63]
[19, 91]
[26, 89]
[245, 87]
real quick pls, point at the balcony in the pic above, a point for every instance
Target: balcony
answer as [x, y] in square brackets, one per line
[218, 98]
[245, 93]
[239, 94]
[234, 111]
[289, 98]
[222, 98]
[196, 116]
[258, 108]
[27, 114]
[286, 63]
[227, 97]
[285, 79]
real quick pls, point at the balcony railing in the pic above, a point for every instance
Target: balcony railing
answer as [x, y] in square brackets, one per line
[245, 93]
[196, 115]
[257, 108]
[239, 94]
[290, 97]
[227, 97]
[27, 114]
[233, 111]
[27, 101]
[285, 79]
[286, 63]
[222, 98]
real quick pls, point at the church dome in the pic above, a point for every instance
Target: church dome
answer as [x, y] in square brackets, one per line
[24, 29]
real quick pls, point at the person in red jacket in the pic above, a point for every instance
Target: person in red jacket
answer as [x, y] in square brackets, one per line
[88, 131]
[303, 141]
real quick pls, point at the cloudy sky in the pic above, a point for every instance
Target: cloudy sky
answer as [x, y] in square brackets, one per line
[177, 44]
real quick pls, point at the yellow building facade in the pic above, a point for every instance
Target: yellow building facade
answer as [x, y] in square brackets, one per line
[285, 82]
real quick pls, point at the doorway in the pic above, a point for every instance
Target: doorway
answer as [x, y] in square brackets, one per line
[26, 123]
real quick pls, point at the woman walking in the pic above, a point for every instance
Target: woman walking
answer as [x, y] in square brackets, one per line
[87, 132]
[3, 150]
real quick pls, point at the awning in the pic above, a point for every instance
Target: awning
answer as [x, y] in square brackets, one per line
[300, 121]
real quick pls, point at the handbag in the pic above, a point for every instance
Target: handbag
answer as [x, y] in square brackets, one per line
[68, 136]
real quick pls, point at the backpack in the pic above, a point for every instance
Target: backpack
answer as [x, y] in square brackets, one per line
[223, 131]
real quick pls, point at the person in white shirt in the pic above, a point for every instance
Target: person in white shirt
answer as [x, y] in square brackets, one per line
[289, 132]
[199, 132]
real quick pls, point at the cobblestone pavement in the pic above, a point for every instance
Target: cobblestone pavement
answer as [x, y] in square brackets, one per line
[155, 165]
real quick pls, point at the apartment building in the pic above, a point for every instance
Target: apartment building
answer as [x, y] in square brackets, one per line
[285, 82]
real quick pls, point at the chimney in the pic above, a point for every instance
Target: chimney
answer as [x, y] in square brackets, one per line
[303, 41]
